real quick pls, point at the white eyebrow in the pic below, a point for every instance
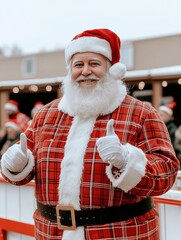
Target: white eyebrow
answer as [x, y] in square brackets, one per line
[97, 59]
[92, 59]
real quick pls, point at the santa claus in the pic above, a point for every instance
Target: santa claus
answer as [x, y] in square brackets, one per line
[98, 155]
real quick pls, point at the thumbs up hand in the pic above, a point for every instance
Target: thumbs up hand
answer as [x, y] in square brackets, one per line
[16, 157]
[110, 149]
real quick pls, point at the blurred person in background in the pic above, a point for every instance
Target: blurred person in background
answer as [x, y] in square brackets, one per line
[98, 155]
[13, 113]
[166, 114]
[12, 136]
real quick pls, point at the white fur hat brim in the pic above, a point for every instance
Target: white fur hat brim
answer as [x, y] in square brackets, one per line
[166, 109]
[9, 106]
[88, 44]
[12, 125]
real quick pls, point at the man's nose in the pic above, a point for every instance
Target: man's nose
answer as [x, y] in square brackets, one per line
[86, 70]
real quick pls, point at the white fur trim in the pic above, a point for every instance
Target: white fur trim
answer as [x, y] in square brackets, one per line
[12, 107]
[134, 171]
[88, 44]
[117, 71]
[22, 175]
[166, 109]
[12, 125]
[72, 167]
[77, 234]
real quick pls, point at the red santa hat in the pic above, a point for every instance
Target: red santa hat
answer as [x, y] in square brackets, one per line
[11, 105]
[168, 108]
[12, 124]
[37, 106]
[102, 41]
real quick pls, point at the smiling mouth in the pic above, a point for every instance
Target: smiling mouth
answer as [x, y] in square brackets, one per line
[87, 80]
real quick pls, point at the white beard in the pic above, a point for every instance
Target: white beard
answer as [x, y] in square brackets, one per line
[104, 98]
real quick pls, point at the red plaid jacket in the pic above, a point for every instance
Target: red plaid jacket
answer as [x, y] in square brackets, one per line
[135, 123]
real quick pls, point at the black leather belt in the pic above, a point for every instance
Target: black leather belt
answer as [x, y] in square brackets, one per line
[68, 218]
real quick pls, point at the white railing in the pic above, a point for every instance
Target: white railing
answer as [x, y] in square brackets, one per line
[17, 203]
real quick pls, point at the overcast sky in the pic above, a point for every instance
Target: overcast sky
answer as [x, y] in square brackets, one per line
[36, 25]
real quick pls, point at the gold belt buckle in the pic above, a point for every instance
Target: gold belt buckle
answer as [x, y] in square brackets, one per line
[72, 211]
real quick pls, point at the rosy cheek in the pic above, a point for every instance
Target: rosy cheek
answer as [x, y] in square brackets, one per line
[74, 75]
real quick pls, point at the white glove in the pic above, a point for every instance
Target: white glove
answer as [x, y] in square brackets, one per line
[16, 157]
[110, 149]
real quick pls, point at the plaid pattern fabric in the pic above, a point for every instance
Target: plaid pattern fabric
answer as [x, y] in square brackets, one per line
[135, 123]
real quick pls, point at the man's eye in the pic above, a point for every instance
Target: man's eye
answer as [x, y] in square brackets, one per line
[78, 65]
[94, 64]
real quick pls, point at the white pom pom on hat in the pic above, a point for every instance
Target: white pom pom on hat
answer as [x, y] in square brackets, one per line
[102, 41]
[117, 71]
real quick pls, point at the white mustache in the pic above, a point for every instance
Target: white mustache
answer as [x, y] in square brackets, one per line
[87, 78]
